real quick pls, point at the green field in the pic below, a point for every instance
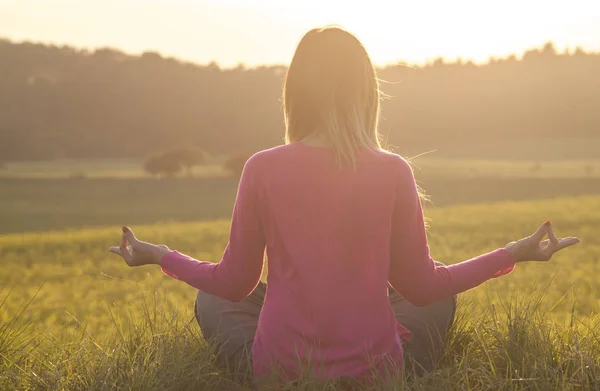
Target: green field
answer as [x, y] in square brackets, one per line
[433, 163]
[74, 317]
[95, 168]
[28, 205]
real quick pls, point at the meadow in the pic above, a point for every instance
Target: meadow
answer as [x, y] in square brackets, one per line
[483, 164]
[43, 196]
[74, 317]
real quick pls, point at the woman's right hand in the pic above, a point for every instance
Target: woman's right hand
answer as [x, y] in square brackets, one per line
[534, 248]
[136, 252]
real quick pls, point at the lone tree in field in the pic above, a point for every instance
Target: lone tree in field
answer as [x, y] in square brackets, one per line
[165, 164]
[235, 163]
[189, 157]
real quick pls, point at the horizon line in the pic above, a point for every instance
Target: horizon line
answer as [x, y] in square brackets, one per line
[566, 50]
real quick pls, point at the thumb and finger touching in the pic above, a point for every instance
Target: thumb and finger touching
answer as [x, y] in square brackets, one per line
[124, 249]
[554, 244]
[128, 234]
[560, 243]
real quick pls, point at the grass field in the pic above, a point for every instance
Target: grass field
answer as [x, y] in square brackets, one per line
[73, 317]
[430, 163]
[28, 205]
[94, 168]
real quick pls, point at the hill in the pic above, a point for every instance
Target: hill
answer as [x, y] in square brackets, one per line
[59, 102]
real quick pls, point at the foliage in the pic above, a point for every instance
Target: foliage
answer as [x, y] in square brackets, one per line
[96, 324]
[189, 157]
[164, 164]
[171, 162]
[64, 102]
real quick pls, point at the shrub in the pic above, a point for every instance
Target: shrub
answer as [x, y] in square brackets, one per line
[189, 157]
[165, 164]
[172, 162]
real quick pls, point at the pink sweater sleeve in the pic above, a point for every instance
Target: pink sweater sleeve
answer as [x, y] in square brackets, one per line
[413, 273]
[239, 271]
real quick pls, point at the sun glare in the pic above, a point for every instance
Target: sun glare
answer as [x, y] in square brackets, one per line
[417, 32]
[266, 31]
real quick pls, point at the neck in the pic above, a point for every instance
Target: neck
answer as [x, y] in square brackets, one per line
[316, 141]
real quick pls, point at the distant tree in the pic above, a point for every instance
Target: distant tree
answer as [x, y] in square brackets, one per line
[549, 49]
[589, 169]
[165, 164]
[152, 165]
[189, 157]
[579, 52]
[235, 163]
[438, 62]
[151, 55]
[531, 54]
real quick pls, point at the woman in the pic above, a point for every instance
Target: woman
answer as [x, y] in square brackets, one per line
[351, 284]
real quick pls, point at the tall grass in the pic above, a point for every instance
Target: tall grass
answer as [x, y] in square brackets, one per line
[515, 346]
[78, 319]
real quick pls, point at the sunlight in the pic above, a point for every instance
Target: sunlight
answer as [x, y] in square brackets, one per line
[241, 162]
[414, 32]
[266, 31]
[417, 32]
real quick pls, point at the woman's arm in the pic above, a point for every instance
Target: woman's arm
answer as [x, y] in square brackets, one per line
[413, 273]
[239, 271]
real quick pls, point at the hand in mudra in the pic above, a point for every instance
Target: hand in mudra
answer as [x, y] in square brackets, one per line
[138, 253]
[534, 248]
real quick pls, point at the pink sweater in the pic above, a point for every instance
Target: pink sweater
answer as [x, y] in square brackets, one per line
[333, 239]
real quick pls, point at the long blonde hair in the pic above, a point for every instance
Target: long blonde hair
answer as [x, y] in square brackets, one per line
[331, 90]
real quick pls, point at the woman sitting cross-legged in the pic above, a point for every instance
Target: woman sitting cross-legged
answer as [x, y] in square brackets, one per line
[351, 289]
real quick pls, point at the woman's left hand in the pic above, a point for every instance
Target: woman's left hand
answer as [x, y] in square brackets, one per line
[534, 248]
[138, 253]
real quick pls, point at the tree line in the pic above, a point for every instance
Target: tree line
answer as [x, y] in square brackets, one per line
[61, 102]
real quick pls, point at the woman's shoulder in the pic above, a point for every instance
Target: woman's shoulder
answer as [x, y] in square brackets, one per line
[394, 161]
[269, 154]
[266, 158]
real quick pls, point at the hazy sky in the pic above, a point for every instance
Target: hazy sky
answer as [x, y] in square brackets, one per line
[253, 32]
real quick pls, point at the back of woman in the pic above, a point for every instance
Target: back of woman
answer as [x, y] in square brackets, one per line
[328, 233]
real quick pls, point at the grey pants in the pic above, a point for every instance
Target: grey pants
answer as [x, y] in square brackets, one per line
[230, 327]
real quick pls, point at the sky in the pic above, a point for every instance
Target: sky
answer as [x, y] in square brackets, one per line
[254, 32]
